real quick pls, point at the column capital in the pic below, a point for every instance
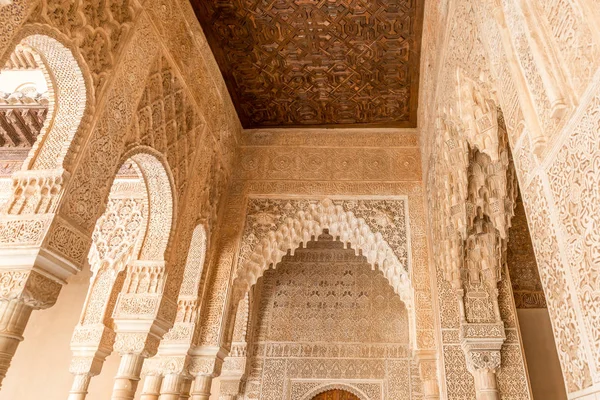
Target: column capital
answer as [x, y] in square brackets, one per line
[90, 346]
[207, 360]
[30, 287]
[141, 320]
[143, 344]
[481, 344]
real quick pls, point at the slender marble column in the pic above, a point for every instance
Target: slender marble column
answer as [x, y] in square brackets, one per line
[201, 387]
[486, 387]
[151, 388]
[186, 387]
[127, 377]
[14, 315]
[171, 387]
[79, 388]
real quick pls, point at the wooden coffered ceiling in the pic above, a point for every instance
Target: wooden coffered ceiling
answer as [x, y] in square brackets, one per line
[291, 63]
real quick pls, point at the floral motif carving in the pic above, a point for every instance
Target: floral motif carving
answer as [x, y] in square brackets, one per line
[98, 29]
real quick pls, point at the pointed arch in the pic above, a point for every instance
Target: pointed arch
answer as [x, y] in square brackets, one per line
[307, 224]
[71, 97]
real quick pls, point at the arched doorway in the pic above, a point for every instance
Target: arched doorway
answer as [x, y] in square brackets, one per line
[335, 394]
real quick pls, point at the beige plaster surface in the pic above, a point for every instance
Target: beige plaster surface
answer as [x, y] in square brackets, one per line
[540, 354]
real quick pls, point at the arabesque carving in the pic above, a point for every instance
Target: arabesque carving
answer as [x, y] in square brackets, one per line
[471, 230]
[98, 29]
[334, 335]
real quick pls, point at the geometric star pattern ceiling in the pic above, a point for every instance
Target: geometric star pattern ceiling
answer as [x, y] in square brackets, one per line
[291, 63]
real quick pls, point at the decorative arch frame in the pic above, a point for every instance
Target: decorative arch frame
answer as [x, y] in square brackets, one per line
[194, 265]
[307, 225]
[120, 260]
[162, 207]
[334, 386]
[72, 97]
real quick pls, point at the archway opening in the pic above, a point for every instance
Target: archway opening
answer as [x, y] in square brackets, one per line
[325, 316]
[25, 102]
[336, 394]
[82, 300]
[44, 98]
[78, 332]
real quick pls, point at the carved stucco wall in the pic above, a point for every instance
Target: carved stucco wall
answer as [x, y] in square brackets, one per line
[325, 316]
[150, 80]
[98, 36]
[552, 134]
[343, 165]
[540, 60]
[310, 169]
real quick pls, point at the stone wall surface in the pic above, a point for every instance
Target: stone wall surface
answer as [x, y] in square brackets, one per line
[535, 61]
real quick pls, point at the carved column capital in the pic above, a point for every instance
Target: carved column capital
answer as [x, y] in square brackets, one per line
[143, 315]
[207, 360]
[32, 288]
[90, 345]
[485, 359]
[167, 364]
[140, 343]
[481, 344]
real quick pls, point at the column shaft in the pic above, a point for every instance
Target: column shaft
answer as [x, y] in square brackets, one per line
[151, 389]
[185, 389]
[431, 390]
[485, 385]
[171, 387]
[79, 388]
[127, 377]
[201, 387]
[14, 315]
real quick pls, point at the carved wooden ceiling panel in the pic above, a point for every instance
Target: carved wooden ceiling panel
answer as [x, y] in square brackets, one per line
[317, 62]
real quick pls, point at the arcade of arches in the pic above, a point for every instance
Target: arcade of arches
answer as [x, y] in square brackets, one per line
[298, 199]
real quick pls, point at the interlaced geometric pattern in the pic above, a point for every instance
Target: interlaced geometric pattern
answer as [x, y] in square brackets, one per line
[315, 62]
